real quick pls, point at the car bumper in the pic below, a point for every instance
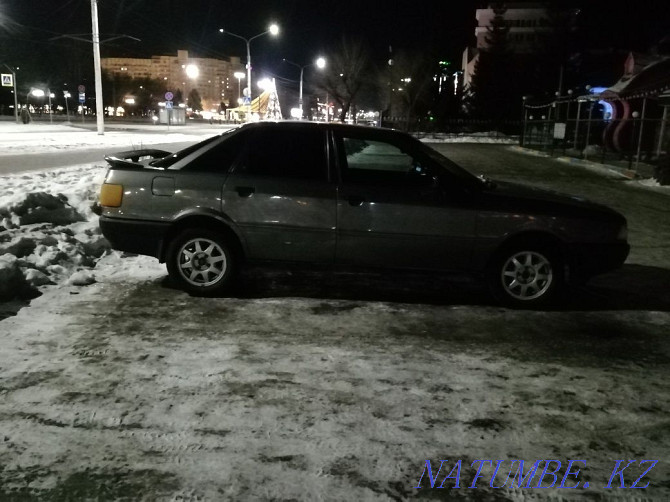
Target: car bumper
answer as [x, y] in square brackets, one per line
[588, 260]
[134, 236]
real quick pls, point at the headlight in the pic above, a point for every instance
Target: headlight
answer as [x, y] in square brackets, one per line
[111, 195]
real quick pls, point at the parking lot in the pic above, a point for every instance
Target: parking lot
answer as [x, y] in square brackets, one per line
[339, 386]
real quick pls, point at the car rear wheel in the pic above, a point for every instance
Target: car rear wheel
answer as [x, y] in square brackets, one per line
[526, 276]
[201, 262]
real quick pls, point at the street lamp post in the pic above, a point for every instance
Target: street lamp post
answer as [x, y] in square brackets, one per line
[319, 63]
[273, 30]
[38, 93]
[16, 101]
[239, 75]
[192, 72]
[66, 95]
[51, 115]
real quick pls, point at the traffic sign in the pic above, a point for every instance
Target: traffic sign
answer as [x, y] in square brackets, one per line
[246, 100]
[168, 104]
[169, 96]
[7, 80]
[82, 97]
[81, 88]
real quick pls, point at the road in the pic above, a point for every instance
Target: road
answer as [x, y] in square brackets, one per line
[44, 161]
[77, 144]
[334, 386]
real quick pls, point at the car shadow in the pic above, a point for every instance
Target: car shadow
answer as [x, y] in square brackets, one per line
[363, 286]
[633, 287]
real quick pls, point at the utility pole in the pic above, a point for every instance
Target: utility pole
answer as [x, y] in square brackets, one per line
[95, 40]
[16, 103]
[99, 108]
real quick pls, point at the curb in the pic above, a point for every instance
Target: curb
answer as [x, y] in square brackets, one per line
[604, 168]
[587, 164]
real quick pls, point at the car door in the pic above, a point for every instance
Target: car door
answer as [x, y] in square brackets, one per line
[395, 207]
[280, 196]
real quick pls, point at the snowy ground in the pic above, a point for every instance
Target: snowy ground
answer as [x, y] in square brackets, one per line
[114, 385]
[48, 232]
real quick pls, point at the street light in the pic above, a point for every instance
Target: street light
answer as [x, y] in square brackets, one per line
[192, 72]
[239, 76]
[319, 63]
[66, 95]
[39, 93]
[273, 29]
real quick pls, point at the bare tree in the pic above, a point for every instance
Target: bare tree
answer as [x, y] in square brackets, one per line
[413, 77]
[348, 72]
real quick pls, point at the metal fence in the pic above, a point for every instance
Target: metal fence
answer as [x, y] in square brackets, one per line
[588, 133]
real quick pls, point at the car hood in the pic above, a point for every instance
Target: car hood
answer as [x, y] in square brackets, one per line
[514, 197]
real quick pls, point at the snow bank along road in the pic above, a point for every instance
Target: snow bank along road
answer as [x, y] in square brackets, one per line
[335, 387]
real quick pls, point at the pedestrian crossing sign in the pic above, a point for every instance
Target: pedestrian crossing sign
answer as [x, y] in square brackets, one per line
[7, 80]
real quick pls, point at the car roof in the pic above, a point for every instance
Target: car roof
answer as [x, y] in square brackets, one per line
[352, 128]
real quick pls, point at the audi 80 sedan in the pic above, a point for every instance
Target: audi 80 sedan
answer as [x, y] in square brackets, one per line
[350, 196]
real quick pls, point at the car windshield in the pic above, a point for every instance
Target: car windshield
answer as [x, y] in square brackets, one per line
[166, 162]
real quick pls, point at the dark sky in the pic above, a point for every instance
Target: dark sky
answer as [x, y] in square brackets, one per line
[309, 27]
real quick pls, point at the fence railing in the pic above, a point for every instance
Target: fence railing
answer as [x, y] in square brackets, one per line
[632, 140]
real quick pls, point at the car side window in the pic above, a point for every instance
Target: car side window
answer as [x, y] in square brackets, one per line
[298, 153]
[379, 162]
[220, 158]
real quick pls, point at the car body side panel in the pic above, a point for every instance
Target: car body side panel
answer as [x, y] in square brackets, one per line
[403, 227]
[283, 219]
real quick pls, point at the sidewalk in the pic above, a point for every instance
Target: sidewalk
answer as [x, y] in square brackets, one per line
[619, 168]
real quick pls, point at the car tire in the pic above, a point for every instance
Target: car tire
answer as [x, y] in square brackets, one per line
[201, 262]
[527, 276]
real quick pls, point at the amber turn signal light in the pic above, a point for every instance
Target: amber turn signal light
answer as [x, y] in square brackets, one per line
[111, 195]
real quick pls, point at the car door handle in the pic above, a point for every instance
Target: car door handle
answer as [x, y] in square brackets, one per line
[356, 200]
[245, 191]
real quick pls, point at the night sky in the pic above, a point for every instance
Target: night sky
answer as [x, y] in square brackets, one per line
[309, 27]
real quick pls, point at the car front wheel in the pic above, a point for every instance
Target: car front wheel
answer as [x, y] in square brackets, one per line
[527, 277]
[201, 262]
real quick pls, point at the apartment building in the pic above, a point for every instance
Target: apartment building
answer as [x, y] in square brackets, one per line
[526, 21]
[213, 79]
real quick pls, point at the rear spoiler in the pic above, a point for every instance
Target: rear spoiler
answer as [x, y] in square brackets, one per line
[136, 158]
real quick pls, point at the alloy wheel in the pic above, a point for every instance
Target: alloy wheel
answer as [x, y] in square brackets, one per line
[527, 275]
[202, 262]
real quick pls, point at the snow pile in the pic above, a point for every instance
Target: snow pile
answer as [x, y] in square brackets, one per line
[48, 231]
[475, 137]
[650, 183]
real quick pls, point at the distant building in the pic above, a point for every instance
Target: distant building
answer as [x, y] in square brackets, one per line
[215, 81]
[527, 22]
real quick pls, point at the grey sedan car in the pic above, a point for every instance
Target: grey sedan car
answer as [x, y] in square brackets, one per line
[348, 196]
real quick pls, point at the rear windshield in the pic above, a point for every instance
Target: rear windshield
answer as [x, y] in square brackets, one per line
[176, 157]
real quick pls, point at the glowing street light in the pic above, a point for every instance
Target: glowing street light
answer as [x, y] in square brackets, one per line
[265, 84]
[192, 71]
[67, 95]
[319, 63]
[273, 29]
[39, 93]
